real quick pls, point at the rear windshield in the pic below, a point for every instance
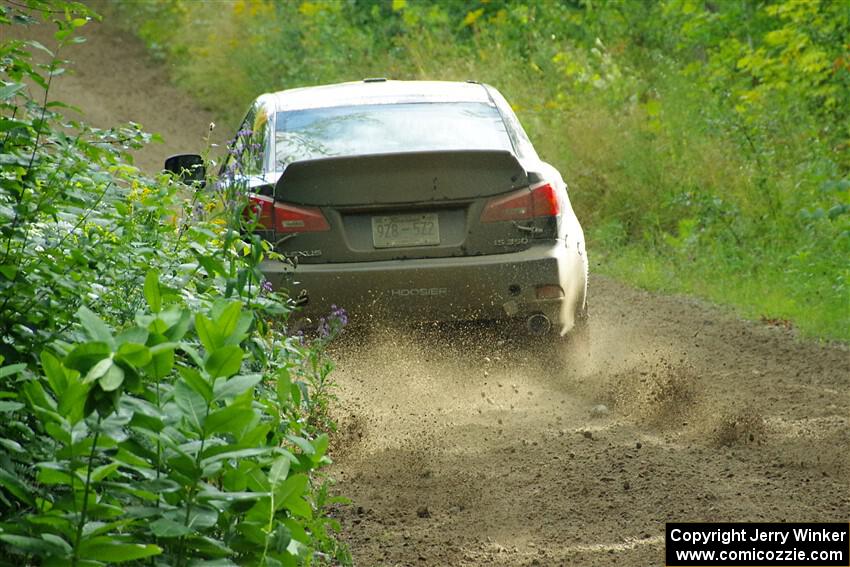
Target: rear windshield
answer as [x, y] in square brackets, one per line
[387, 128]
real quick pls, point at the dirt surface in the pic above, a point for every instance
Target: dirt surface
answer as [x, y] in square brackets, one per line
[458, 448]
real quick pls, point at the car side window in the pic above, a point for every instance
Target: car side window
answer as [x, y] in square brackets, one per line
[520, 139]
[246, 153]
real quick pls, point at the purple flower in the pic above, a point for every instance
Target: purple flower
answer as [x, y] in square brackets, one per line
[333, 324]
[266, 287]
[324, 328]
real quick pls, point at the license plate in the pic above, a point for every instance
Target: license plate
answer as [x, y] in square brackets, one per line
[399, 231]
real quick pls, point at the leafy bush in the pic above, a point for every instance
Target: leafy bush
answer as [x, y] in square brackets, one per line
[155, 408]
[714, 135]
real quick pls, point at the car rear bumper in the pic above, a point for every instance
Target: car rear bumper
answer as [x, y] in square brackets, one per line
[494, 286]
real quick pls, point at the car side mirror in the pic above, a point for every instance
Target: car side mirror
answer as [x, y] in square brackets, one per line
[189, 168]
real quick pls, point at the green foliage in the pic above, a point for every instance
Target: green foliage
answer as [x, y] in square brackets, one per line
[155, 409]
[709, 140]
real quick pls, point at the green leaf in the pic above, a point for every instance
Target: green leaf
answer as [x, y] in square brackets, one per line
[8, 91]
[282, 543]
[53, 473]
[98, 370]
[10, 481]
[6, 407]
[212, 495]
[298, 507]
[103, 471]
[94, 325]
[162, 361]
[209, 335]
[12, 369]
[95, 528]
[58, 432]
[86, 355]
[298, 531]
[320, 445]
[36, 546]
[196, 358]
[135, 354]
[11, 445]
[235, 386]
[231, 419]
[292, 487]
[55, 372]
[178, 327]
[104, 548]
[228, 319]
[39, 400]
[246, 318]
[40, 46]
[152, 291]
[137, 335]
[164, 527]
[303, 444]
[200, 517]
[224, 362]
[191, 404]
[236, 455]
[278, 472]
[197, 382]
[113, 378]
[72, 401]
[284, 386]
[211, 264]
[151, 423]
[58, 542]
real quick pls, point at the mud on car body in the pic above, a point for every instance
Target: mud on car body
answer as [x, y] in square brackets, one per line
[415, 200]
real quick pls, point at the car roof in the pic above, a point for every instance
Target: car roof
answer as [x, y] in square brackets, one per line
[377, 91]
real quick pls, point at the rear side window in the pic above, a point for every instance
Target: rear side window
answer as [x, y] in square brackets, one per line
[387, 128]
[247, 151]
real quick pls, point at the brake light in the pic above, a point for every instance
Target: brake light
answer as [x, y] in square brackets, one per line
[525, 204]
[284, 217]
[545, 201]
[514, 206]
[260, 209]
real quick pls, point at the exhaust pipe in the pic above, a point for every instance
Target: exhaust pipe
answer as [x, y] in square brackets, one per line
[538, 324]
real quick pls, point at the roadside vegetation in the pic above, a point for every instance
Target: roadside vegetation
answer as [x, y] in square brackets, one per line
[707, 144]
[155, 408]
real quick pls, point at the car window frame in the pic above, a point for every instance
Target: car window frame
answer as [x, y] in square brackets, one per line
[249, 123]
[523, 147]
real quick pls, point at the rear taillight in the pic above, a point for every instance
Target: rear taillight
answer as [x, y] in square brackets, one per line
[260, 210]
[539, 201]
[545, 201]
[283, 217]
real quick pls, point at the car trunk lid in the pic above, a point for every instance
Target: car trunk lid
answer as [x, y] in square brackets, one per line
[404, 205]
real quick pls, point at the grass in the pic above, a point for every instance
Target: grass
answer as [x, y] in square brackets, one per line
[770, 294]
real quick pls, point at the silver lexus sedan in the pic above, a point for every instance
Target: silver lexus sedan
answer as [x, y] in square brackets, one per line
[412, 200]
